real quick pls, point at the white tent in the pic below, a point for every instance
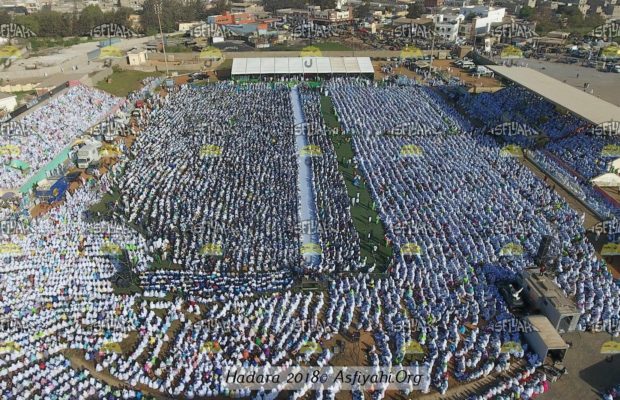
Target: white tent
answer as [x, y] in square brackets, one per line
[607, 180]
[616, 164]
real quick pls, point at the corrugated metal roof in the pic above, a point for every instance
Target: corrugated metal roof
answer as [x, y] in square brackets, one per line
[546, 331]
[577, 101]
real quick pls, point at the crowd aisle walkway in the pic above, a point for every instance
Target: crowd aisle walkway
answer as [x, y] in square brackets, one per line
[307, 204]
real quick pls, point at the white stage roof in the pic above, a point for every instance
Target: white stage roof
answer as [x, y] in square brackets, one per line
[298, 65]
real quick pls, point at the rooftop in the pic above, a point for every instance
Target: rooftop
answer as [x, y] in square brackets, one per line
[578, 102]
[302, 65]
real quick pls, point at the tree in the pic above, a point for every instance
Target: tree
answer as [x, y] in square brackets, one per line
[51, 23]
[121, 16]
[29, 21]
[273, 5]
[526, 12]
[363, 10]
[221, 6]
[5, 18]
[169, 12]
[416, 10]
[324, 4]
[90, 17]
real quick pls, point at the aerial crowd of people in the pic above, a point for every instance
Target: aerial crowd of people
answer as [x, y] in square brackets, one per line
[205, 219]
[40, 135]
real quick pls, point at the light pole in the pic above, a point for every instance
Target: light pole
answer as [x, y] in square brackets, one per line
[158, 11]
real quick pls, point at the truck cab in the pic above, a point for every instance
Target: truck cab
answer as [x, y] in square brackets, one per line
[88, 155]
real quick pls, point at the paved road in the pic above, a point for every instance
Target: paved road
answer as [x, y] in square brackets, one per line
[588, 371]
[63, 62]
[605, 85]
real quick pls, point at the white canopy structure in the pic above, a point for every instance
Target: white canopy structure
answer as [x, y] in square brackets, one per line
[302, 65]
[577, 101]
[607, 180]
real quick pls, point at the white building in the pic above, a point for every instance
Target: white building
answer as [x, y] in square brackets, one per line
[485, 17]
[447, 25]
[137, 57]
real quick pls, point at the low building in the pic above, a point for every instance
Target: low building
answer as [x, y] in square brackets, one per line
[137, 57]
[314, 13]
[248, 8]
[188, 26]
[231, 19]
[546, 296]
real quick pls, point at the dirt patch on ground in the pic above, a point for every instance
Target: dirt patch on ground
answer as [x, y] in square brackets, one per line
[484, 83]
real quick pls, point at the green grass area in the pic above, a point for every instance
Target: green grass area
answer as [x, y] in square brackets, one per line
[103, 208]
[364, 210]
[179, 48]
[324, 46]
[22, 96]
[124, 82]
[40, 43]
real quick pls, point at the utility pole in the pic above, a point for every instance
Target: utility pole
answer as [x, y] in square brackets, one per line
[158, 11]
[430, 68]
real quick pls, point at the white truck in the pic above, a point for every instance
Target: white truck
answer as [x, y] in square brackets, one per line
[88, 155]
